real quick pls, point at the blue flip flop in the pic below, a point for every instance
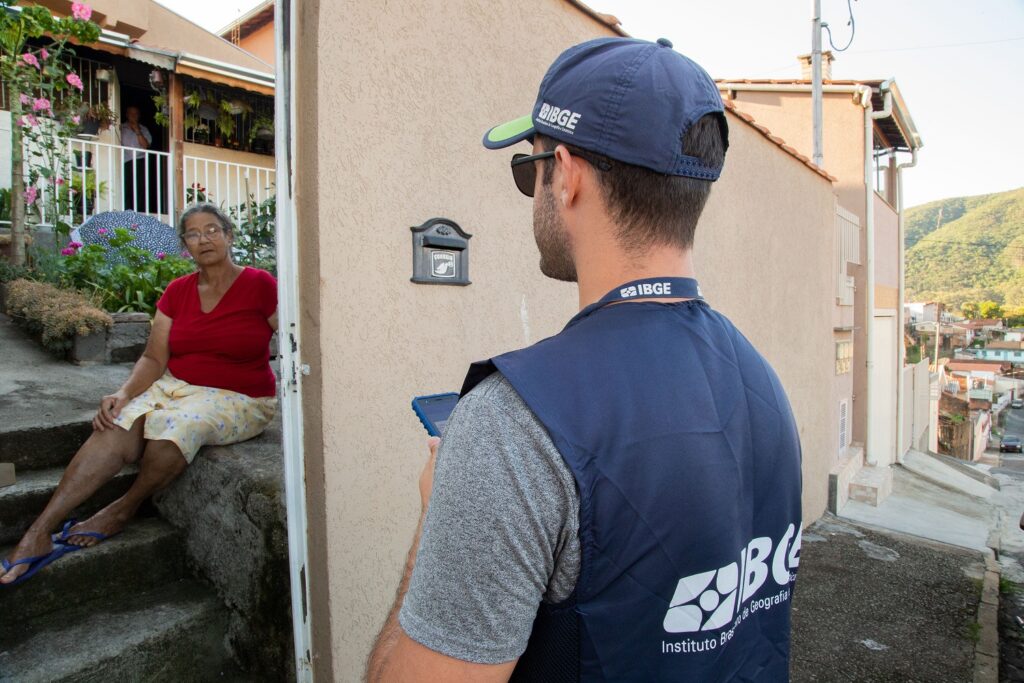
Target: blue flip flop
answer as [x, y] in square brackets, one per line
[66, 533]
[36, 563]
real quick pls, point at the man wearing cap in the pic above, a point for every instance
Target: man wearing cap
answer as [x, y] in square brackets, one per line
[620, 501]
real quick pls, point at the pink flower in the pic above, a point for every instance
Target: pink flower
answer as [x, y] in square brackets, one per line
[44, 54]
[80, 10]
[161, 256]
[185, 254]
[67, 251]
[76, 119]
[30, 195]
[25, 99]
[31, 120]
[58, 181]
[30, 59]
[102, 231]
[75, 81]
[75, 245]
[41, 104]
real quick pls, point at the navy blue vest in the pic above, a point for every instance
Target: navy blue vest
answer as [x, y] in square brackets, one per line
[687, 461]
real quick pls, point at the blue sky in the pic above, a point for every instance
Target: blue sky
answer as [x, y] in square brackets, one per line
[957, 64]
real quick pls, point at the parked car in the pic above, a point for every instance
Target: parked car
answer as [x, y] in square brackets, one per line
[1010, 443]
[1017, 403]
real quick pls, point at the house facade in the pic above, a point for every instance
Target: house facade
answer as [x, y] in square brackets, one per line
[866, 127]
[207, 104]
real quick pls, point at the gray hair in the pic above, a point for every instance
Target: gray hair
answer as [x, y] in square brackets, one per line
[225, 221]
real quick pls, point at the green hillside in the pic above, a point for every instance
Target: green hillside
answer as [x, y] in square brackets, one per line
[967, 249]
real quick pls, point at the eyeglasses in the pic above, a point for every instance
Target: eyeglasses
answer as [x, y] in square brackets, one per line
[212, 232]
[524, 171]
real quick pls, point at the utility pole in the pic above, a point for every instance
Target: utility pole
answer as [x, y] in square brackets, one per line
[816, 89]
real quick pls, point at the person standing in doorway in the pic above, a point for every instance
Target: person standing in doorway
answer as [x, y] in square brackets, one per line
[621, 501]
[136, 180]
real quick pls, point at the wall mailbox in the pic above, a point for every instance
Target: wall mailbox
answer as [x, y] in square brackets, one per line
[440, 253]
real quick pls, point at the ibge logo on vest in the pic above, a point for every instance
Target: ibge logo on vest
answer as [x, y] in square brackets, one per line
[712, 600]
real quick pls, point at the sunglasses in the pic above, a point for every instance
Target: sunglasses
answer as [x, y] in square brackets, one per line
[524, 171]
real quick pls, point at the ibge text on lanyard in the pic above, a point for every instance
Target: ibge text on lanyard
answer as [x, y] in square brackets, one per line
[647, 288]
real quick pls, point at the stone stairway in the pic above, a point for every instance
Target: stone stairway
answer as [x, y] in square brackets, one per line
[128, 608]
[132, 608]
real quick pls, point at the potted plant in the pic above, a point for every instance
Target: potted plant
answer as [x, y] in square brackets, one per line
[95, 118]
[262, 129]
[225, 123]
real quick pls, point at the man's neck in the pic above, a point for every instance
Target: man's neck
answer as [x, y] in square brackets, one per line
[598, 276]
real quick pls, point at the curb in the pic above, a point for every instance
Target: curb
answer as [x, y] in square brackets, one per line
[986, 650]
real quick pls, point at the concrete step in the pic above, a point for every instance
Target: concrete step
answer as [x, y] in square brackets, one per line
[43, 446]
[21, 503]
[149, 553]
[871, 485]
[174, 633]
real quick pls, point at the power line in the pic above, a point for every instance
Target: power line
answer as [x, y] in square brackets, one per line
[937, 47]
[853, 30]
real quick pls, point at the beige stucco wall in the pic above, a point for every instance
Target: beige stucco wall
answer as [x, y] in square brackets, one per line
[395, 141]
[887, 246]
[767, 207]
[261, 43]
[789, 116]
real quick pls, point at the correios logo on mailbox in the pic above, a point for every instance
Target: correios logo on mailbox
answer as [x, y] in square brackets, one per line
[440, 253]
[442, 264]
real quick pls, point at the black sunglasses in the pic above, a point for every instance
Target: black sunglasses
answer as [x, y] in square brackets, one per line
[524, 171]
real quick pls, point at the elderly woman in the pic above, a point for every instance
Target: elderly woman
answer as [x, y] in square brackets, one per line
[204, 378]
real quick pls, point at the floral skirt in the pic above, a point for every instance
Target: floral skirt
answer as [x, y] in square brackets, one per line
[192, 416]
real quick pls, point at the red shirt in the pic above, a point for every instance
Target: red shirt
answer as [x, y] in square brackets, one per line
[229, 347]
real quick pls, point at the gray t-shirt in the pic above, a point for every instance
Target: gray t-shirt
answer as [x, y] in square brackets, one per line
[501, 533]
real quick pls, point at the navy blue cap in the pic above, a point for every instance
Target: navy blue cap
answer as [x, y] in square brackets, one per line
[627, 99]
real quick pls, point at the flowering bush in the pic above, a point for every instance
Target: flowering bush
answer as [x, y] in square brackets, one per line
[44, 95]
[122, 277]
[57, 315]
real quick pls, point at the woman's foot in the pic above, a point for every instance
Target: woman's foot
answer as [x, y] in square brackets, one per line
[32, 544]
[107, 522]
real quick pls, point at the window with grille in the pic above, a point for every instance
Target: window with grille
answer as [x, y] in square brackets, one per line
[844, 425]
[844, 357]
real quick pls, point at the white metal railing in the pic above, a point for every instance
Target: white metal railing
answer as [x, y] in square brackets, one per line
[103, 177]
[225, 183]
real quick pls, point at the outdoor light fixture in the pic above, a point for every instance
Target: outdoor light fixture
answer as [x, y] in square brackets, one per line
[102, 75]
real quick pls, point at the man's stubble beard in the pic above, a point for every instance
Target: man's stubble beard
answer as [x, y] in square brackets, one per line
[552, 239]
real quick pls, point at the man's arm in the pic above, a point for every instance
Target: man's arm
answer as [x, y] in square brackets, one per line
[396, 656]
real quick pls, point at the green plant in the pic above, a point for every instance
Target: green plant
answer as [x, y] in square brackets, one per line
[43, 95]
[10, 272]
[974, 632]
[260, 125]
[5, 204]
[226, 119]
[254, 242]
[57, 315]
[100, 113]
[162, 115]
[121, 276]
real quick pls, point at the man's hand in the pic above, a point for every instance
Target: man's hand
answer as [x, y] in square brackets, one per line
[110, 408]
[427, 475]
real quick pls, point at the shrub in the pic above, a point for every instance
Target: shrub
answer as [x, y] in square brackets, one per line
[56, 315]
[122, 276]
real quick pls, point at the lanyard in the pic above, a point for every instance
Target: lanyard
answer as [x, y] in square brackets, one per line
[648, 288]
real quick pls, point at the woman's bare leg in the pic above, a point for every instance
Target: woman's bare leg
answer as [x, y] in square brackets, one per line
[162, 463]
[99, 459]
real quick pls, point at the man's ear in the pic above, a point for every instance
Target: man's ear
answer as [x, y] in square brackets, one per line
[568, 175]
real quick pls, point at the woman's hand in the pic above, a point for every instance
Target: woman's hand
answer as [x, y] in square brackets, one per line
[110, 408]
